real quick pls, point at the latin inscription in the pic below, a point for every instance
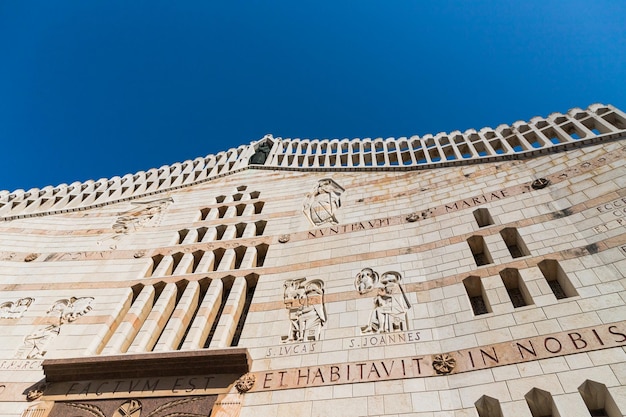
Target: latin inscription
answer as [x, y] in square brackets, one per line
[617, 207]
[353, 227]
[20, 365]
[141, 387]
[384, 339]
[523, 350]
[364, 341]
[603, 228]
[476, 201]
[291, 349]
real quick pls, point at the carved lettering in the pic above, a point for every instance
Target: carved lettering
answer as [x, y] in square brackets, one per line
[318, 374]
[453, 207]
[282, 377]
[494, 358]
[387, 371]
[300, 376]
[556, 345]
[616, 333]
[530, 350]
[373, 369]
[147, 387]
[577, 340]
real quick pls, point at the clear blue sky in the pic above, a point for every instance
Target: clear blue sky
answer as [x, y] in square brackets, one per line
[96, 89]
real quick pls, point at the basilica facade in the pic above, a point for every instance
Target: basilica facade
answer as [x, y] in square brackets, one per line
[478, 273]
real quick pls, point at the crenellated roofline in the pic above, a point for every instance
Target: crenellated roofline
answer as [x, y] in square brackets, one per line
[553, 133]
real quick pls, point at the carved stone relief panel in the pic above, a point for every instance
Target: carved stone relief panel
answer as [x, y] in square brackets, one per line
[304, 302]
[196, 406]
[62, 312]
[15, 310]
[391, 304]
[321, 204]
[142, 214]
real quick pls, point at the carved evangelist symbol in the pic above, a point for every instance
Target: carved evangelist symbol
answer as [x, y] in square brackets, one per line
[322, 203]
[15, 310]
[143, 214]
[63, 311]
[390, 303]
[305, 303]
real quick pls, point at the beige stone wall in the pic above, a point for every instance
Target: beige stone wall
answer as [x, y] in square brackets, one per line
[578, 221]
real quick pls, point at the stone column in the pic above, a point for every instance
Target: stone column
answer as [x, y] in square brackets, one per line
[201, 325]
[156, 320]
[165, 267]
[228, 260]
[127, 330]
[230, 315]
[185, 265]
[181, 317]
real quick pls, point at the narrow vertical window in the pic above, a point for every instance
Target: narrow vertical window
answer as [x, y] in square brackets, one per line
[514, 242]
[557, 279]
[204, 213]
[476, 293]
[540, 403]
[515, 287]
[261, 251]
[260, 227]
[182, 234]
[483, 218]
[488, 407]
[479, 250]
[258, 207]
[241, 227]
[598, 400]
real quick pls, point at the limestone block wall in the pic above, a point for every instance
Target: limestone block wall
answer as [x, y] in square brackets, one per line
[490, 289]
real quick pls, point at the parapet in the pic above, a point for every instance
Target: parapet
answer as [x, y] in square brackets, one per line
[554, 133]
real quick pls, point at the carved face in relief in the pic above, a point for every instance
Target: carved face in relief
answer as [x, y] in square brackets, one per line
[365, 280]
[294, 295]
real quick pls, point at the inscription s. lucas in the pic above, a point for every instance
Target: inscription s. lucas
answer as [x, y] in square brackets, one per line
[293, 349]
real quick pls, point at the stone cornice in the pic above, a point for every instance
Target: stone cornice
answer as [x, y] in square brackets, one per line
[558, 132]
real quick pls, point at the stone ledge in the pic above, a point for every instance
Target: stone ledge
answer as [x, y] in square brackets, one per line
[147, 365]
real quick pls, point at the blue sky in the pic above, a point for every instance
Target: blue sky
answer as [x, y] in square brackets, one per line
[96, 89]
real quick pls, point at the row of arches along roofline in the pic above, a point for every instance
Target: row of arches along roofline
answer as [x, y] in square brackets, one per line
[520, 137]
